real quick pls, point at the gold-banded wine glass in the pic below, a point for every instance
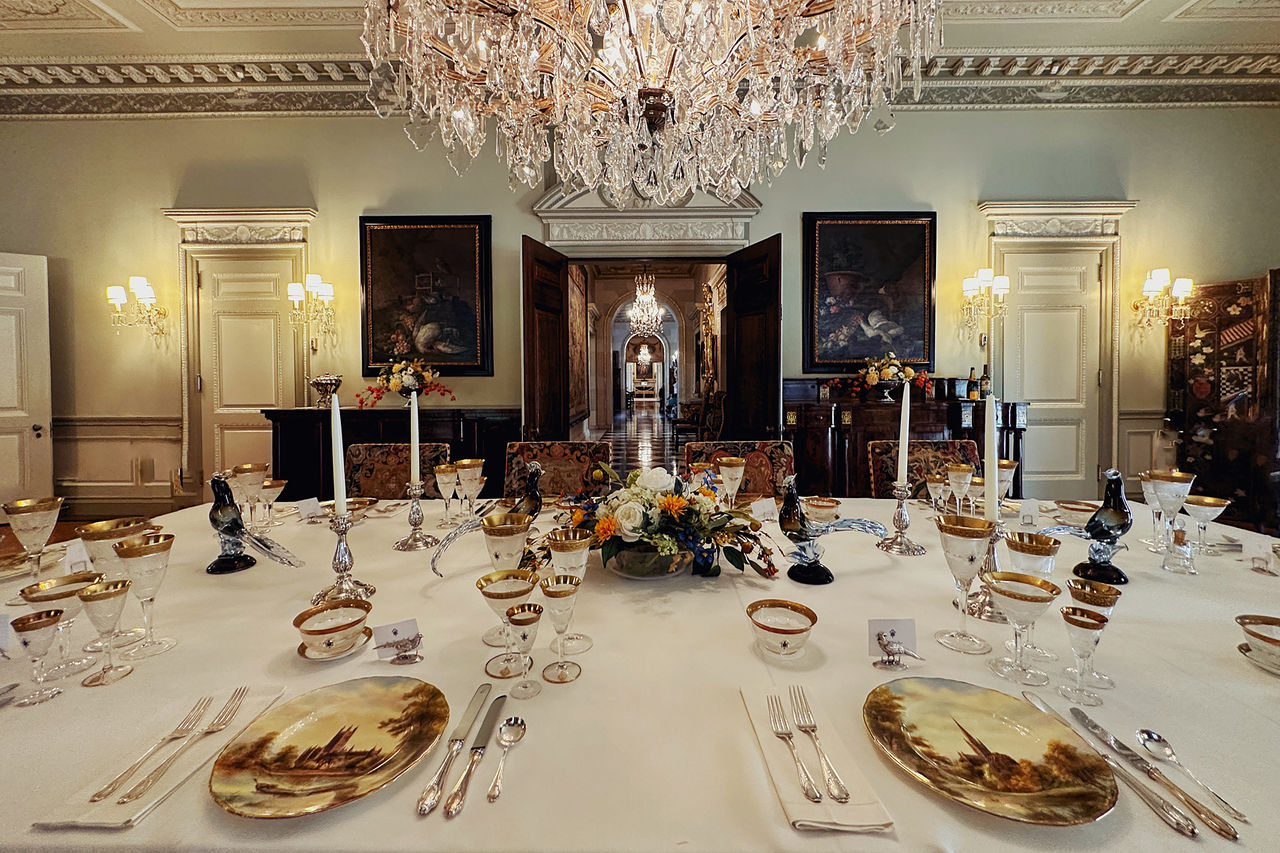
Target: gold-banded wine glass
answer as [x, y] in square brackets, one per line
[1022, 599]
[62, 593]
[1156, 543]
[522, 621]
[964, 544]
[1033, 554]
[569, 551]
[146, 560]
[562, 593]
[103, 603]
[732, 469]
[99, 539]
[447, 486]
[35, 634]
[1172, 488]
[958, 478]
[470, 481]
[1204, 509]
[502, 591]
[271, 490]
[32, 521]
[1084, 629]
[1100, 598]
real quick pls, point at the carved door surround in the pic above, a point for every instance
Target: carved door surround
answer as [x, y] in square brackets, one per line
[1067, 227]
[229, 234]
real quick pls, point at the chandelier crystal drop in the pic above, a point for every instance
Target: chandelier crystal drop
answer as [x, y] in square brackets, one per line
[645, 314]
[654, 98]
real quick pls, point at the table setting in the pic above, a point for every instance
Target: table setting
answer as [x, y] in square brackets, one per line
[729, 709]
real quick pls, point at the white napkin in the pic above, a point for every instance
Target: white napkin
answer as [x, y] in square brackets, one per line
[77, 811]
[862, 813]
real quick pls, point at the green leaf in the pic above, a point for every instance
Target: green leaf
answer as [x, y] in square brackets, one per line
[608, 469]
[610, 549]
[735, 558]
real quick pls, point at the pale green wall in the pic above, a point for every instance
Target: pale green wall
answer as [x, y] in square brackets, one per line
[89, 193]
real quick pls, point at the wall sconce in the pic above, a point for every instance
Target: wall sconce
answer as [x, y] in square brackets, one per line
[312, 311]
[1157, 307]
[141, 310]
[984, 299]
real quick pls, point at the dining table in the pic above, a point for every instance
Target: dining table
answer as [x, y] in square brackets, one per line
[651, 748]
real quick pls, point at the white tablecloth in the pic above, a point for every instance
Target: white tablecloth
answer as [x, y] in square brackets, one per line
[649, 749]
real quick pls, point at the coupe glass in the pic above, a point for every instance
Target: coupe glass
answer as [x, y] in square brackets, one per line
[1032, 554]
[522, 621]
[964, 544]
[1204, 509]
[936, 483]
[569, 551]
[35, 633]
[1172, 488]
[470, 481]
[1100, 598]
[731, 470]
[271, 490]
[103, 603]
[1156, 543]
[1084, 629]
[503, 590]
[958, 478]
[61, 593]
[146, 559]
[561, 592]
[1022, 599]
[447, 485]
[32, 521]
[99, 539]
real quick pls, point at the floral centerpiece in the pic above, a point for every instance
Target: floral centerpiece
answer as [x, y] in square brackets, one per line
[883, 374]
[653, 526]
[404, 377]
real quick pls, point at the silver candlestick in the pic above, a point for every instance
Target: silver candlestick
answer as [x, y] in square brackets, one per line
[980, 604]
[344, 586]
[416, 540]
[898, 543]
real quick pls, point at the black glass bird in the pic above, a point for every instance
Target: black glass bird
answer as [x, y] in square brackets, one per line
[1103, 529]
[530, 501]
[228, 524]
[797, 527]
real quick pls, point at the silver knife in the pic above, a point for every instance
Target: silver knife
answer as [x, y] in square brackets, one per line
[1165, 810]
[431, 794]
[458, 796]
[1199, 809]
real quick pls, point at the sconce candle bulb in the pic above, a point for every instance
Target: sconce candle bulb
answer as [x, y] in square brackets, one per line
[141, 311]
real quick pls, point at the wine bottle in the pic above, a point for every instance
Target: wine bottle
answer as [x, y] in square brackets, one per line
[973, 385]
[984, 384]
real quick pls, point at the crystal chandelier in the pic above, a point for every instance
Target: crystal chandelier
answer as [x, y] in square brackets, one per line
[1157, 307]
[645, 314]
[644, 356]
[656, 96]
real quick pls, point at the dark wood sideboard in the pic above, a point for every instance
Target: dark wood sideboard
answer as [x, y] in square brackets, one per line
[830, 436]
[300, 441]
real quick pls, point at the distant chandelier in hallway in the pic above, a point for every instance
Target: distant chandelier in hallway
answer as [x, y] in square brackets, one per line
[645, 314]
[662, 96]
[644, 356]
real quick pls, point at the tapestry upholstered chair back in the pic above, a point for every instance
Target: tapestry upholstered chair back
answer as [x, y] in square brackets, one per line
[769, 463]
[382, 470]
[568, 467]
[923, 458]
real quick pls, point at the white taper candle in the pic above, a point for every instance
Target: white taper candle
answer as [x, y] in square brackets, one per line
[339, 470]
[415, 470]
[904, 432]
[991, 464]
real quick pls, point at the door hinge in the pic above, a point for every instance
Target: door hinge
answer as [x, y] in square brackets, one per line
[1099, 377]
[199, 384]
[1099, 475]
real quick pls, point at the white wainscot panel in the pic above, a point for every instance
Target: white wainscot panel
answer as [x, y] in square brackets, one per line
[261, 285]
[1052, 450]
[1052, 350]
[243, 443]
[11, 350]
[12, 473]
[13, 280]
[246, 361]
[1053, 279]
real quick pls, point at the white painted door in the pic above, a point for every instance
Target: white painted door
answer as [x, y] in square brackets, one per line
[26, 455]
[1052, 347]
[248, 358]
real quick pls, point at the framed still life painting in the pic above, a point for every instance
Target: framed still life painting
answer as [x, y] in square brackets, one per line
[868, 289]
[426, 293]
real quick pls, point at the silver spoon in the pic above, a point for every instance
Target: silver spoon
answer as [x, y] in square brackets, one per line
[510, 733]
[1155, 744]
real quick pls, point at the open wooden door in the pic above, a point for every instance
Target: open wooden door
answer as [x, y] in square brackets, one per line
[546, 342]
[25, 402]
[751, 329]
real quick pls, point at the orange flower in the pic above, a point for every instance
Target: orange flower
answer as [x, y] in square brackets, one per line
[606, 528]
[673, 504]
[707, 492]
[577, 518]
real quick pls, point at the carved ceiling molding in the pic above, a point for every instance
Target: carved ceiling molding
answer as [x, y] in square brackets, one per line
[170, 86]
[1055, 219]
[242, 226]
[1228, 10]
[1024, 10]
[255, 17]
[51, 16]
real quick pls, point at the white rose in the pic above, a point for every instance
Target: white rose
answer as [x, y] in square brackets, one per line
[630, 518]
[656, 480]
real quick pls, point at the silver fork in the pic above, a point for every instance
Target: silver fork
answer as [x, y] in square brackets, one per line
[184, 728]
[778, 719]
[804, 722]
[219, 723]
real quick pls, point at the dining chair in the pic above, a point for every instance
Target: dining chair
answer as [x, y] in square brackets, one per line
[769, 463]
[568, 467]
[924, 457]
[382, 470]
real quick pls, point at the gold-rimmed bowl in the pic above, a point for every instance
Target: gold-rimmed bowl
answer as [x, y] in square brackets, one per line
[333, 627]
[1262, 633]
[1076, 513]
[781, 627]
[822, 509]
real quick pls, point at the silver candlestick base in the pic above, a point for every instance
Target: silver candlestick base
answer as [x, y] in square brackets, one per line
[344, 586]
[898, 543]
[980, 605]
[416, 540]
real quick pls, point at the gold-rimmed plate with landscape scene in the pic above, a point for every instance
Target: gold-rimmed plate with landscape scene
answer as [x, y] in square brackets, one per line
[990, 751]
[328, 747]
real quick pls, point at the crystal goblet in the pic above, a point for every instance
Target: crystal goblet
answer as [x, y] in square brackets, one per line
[99, 539]
[470, 481]
[146, 559]
[505, 535]
[1032, 554]
[732, 469]
[935, 483]
[32, 521]
[977, 492]
[35, 634]
[522, 621]
[1204, 509]
[1004, 473]
[103, 603]
[569, 551]
[958, 478]
[271, 490]
[964, 544]
[503, 590]
[1149, 497]
[1172, 488]
[447, 485]
[561, 592]
[61, 593]
[251, 476]
[1022, 599]
[1084, 629]
[1100, 598]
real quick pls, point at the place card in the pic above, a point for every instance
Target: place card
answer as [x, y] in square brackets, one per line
[901, 630]
[1256, 547]
[77, 559]
[765, 509]
[1029, 514]
[396, 638]
[309, 508]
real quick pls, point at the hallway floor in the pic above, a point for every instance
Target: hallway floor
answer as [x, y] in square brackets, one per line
[642, 439]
